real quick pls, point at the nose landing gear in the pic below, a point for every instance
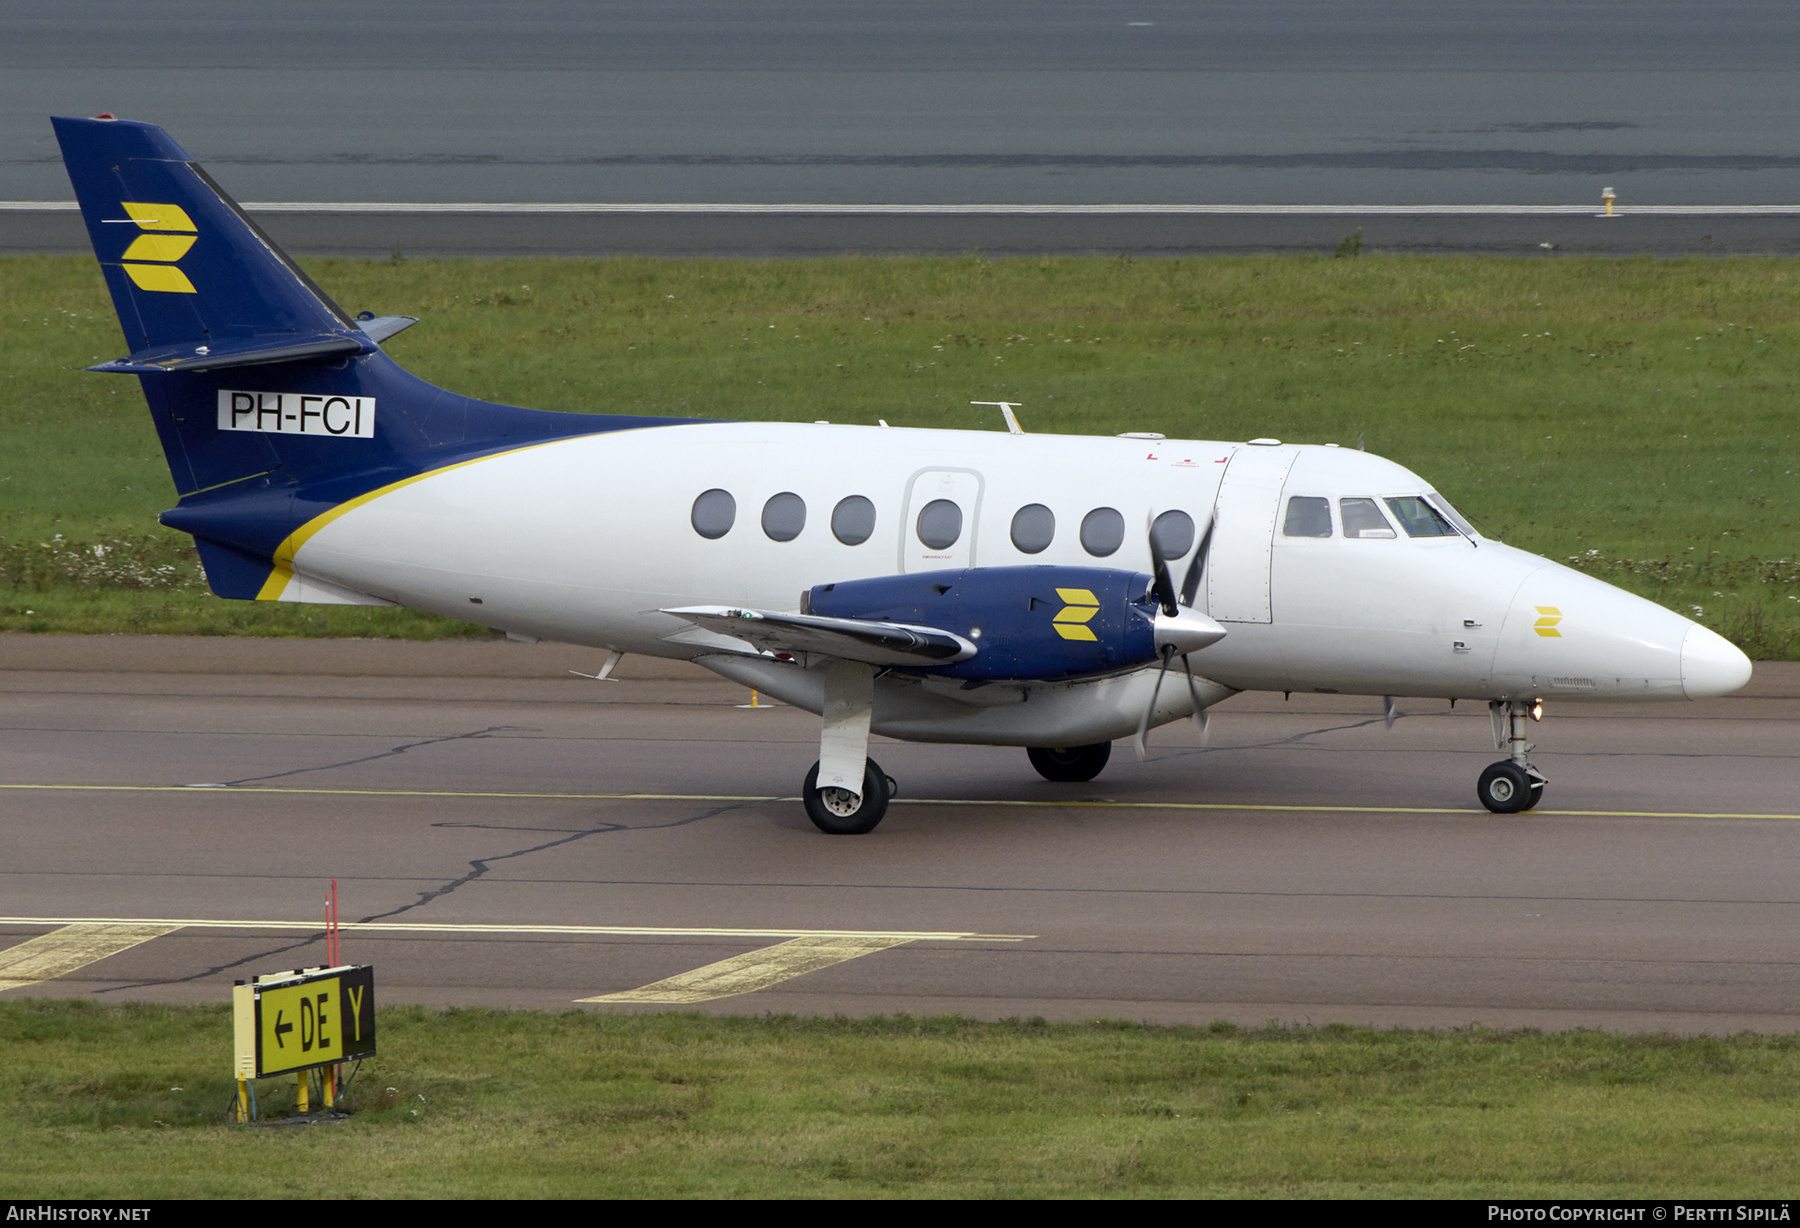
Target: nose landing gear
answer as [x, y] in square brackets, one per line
[1513, 784]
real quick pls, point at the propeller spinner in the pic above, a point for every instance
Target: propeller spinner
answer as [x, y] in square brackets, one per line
[1180, 629]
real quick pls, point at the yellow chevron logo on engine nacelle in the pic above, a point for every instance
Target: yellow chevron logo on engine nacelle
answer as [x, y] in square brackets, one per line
[1071, 621]
[1545, 626]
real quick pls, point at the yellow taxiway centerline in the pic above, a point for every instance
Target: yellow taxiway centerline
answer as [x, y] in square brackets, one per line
[72, 947]
[755, 970]
[910, 801]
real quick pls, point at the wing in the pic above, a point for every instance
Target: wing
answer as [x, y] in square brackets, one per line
[852, 639]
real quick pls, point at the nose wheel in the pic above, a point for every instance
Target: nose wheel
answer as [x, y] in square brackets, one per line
[1507, 788]
[839, 812]
[1512, 785]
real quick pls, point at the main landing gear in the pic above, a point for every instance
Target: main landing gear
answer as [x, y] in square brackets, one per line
[1070, 764]
[840, 812]
[1511, 785]
[846, 793]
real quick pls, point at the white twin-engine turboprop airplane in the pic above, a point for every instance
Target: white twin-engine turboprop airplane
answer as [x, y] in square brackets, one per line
[1049, 592]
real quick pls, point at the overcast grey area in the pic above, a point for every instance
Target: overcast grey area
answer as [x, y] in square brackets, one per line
[1303, 101]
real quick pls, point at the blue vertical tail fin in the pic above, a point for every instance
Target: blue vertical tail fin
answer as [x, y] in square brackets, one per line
[186, 267]
[273, 405]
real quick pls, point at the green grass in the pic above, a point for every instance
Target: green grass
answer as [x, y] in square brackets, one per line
[129, 1101]
[1635, 416]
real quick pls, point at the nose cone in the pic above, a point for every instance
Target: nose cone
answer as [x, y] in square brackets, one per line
[1711, 665]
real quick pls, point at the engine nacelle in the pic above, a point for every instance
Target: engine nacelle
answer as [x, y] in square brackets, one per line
[1027, 622]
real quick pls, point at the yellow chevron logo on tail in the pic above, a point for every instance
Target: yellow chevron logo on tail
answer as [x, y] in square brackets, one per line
[170, 232]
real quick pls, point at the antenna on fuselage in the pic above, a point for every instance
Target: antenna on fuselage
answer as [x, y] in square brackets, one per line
[1006, 407]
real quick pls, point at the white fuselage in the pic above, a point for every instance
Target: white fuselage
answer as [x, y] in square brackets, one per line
[584, 540]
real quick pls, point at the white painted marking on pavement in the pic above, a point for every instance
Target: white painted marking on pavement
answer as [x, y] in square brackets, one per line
[450, 927]
[551, 207]
[71, 948]
[756, 970]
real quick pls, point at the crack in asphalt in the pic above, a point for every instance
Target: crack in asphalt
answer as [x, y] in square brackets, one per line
[479, 867]
[386, 754]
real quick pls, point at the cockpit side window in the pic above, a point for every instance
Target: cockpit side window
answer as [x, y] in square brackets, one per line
[1307, 516]
[1362, 518]
[1419, 518]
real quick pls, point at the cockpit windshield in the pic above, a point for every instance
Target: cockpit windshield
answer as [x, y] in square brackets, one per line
[1419, 518]
[1443, 505]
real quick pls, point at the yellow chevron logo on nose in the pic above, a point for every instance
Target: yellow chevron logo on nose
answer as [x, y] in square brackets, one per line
[1546, 623]
[1070, 621]
[160, 246]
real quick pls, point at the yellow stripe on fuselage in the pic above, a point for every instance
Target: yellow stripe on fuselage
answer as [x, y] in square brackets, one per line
[283, 571]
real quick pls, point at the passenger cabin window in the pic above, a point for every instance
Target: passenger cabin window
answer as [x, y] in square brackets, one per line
[1102, 532]
[1173, 535]
[939, 524]
[714, 513]
[1362, 518]
[1307, 516]
[1033, 528]
[784, 515]
[853, 520]
[1419, 518]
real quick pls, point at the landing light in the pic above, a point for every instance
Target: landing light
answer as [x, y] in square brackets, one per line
[1537, 709]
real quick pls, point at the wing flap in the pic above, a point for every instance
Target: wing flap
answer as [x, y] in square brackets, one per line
[851, 639]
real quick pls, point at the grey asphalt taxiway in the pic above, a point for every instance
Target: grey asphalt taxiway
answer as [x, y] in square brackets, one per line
[504, 832]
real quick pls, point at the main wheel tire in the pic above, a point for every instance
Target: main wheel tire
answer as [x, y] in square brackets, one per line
[1507, 788]
[833, 811]
[1069, 764]
[1535, 794]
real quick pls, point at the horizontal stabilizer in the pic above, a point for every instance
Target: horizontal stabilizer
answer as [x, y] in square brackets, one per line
[850, 639]
[248, 352]
[380, 328]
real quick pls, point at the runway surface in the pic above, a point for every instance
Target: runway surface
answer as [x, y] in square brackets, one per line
[1012, 101]
[508, 834]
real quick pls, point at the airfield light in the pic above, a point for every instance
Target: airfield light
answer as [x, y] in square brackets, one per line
[1608, 195]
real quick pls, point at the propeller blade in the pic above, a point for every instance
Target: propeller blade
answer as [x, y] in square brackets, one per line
[1388, 711]
[1201, 717]
[1190, 583]
[1164, 587]
[1144, 721]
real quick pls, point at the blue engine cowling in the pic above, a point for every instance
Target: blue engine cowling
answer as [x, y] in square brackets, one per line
[1028, 622]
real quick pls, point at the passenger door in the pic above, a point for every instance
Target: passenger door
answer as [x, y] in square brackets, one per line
[930, 546]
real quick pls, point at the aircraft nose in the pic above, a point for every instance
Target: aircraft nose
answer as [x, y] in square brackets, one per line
[1711, 665]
